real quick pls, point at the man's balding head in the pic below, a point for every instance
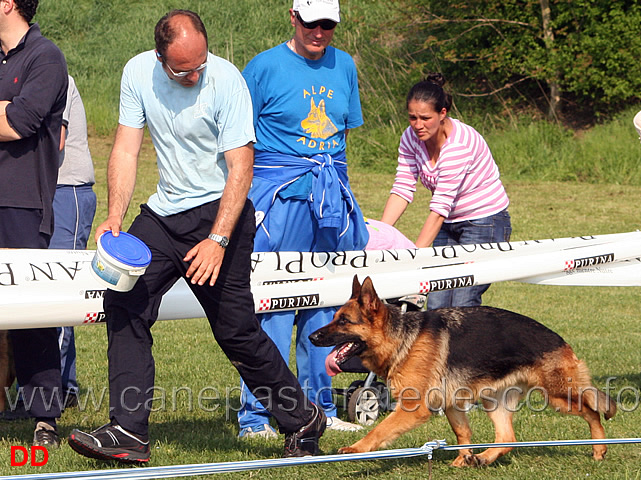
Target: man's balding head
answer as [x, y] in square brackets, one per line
[174, 25]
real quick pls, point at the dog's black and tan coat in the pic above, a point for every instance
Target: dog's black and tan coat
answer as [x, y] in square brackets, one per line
[452, 357]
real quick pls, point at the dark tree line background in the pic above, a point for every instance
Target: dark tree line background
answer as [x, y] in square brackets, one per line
[575, 61]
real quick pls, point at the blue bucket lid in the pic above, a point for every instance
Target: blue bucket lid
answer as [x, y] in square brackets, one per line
[126, 249]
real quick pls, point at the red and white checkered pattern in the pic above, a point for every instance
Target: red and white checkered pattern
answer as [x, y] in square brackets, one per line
[91, 317]
[425, 287]
[264, 304]
[569, 265]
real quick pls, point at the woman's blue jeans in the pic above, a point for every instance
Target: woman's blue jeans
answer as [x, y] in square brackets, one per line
[495, 228]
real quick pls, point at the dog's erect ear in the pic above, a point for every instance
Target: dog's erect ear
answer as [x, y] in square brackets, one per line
[356, 287]
[368, 297]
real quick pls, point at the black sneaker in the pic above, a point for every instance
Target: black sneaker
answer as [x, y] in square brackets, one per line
[304, 442]
[15, 412]
[18, 413]
[110, 442]
[45, 436]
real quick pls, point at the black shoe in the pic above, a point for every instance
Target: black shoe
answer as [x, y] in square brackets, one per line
[304, 442]
[110, 442]
[45, 436]
[15, 412]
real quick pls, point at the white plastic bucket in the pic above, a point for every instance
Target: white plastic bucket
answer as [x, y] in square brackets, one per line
[120, 261]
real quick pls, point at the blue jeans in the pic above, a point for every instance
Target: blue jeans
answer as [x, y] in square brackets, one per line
[293, 228]
[74, 208]
[495, 228]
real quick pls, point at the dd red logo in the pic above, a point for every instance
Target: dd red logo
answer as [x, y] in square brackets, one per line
[20, 456]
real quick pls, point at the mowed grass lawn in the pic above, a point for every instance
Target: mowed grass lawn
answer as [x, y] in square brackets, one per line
[197, 394]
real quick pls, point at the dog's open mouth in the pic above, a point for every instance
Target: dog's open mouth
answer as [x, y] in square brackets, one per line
[340, 354]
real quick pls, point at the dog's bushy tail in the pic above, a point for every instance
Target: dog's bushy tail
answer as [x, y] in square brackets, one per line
[610, 409]
[593, 397]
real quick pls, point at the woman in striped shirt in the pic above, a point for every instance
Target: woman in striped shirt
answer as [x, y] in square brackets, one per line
[451, 159]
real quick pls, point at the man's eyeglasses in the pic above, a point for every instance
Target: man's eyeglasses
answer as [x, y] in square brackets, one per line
[324, 24]
[182, 74]
[188, 72]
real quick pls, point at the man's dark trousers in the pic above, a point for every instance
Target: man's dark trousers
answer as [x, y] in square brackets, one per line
[35, 350]
[229, 306]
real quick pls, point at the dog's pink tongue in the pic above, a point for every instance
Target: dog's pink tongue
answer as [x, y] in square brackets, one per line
[331, 366]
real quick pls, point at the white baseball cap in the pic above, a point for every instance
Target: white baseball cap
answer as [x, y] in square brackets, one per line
[312, 10]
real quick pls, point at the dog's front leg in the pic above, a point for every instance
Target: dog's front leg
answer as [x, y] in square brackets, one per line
[406, 416]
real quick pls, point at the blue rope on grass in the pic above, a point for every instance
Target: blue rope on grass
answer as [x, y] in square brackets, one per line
[543, 443]
[222, 467]
[228, 467]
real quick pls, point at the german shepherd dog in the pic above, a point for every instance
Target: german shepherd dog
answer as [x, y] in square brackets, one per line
[451, 358]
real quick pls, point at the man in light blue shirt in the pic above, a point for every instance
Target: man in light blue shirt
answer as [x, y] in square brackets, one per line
[198, 225]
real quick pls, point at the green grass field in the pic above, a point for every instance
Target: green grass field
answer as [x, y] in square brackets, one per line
[560, 183]
[600, 323]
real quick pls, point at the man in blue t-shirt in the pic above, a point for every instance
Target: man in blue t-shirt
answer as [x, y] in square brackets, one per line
[305, 97]
[198, 225]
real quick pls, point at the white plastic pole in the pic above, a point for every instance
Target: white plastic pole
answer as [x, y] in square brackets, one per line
[40, 288]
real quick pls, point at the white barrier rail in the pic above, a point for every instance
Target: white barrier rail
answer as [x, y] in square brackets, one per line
[41, 288]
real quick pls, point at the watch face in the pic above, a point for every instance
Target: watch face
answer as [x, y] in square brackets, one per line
[220, 239]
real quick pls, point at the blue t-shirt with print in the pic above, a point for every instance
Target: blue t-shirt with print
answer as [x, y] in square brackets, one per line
[303, 107]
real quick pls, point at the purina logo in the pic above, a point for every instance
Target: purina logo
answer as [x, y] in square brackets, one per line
[283, 303]
[447, 284]
[94, 317]
[589, 261]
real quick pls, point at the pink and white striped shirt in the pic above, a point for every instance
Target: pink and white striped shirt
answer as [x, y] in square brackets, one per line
[465, 182]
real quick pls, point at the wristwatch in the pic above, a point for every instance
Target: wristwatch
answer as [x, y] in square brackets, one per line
[222, 240]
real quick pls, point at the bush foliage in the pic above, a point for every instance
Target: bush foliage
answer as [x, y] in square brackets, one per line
[481, 46]
[588, 49]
